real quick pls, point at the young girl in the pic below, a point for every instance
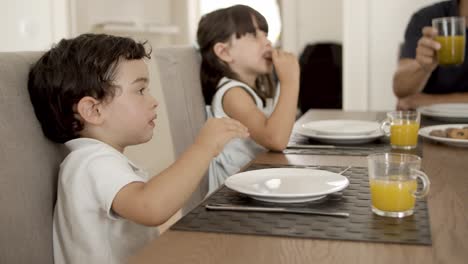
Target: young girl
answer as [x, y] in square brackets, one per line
[236, 58]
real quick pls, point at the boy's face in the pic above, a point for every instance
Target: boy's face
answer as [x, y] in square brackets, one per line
[129, 116]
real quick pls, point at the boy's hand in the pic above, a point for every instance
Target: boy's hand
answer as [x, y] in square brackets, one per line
[286, 66]
[426, 51]
[218, 131]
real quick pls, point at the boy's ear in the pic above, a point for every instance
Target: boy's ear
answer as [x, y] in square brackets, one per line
[89, 110]
[222, 51]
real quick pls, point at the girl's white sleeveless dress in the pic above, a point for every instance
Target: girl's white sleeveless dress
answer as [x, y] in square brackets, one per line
[238, 152]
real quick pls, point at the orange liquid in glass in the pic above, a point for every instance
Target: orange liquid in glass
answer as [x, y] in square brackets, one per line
[393, 195]
[404, 134]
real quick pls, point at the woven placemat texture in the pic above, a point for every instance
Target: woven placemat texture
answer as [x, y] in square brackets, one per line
[362, 225]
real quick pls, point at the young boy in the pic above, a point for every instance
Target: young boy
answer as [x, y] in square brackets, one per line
[91, 93]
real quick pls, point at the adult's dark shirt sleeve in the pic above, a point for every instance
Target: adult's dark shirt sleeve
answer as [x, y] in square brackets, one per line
[423, 18]
[412, 35]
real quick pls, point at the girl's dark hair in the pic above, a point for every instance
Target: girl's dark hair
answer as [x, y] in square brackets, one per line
[219, 26]
[75, 68]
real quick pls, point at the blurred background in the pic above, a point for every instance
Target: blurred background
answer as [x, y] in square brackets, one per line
[361, 38]
[369, 31]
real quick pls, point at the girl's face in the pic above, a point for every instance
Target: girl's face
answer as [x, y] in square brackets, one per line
[251, 53]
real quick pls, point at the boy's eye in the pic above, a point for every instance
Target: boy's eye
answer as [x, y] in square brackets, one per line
[142, 90]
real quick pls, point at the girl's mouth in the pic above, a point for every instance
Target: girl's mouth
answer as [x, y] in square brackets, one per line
[268, 56]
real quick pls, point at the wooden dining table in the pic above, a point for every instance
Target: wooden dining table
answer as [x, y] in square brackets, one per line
[446, 166]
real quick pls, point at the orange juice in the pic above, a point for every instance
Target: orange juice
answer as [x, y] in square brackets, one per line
[393, 195]
[452, 49]
[404, 134]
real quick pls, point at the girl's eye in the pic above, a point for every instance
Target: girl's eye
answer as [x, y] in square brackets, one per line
[252, 34]
[142, 90]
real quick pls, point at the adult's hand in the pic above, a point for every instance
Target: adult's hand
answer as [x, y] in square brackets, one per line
[426, 51]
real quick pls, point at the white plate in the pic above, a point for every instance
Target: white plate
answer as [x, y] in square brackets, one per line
[339, 139]
[342, 127]
[287, 185]
[446, 112]
[424, 132]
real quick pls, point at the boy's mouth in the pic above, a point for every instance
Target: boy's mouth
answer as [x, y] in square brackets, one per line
[152, 121]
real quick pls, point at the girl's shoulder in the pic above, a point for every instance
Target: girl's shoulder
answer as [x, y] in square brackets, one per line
[226, 83]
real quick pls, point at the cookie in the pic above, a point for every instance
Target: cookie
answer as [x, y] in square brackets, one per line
[457, 133]
[438, 133]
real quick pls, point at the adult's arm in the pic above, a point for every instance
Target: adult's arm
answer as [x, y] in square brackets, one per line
[412, 74]
[422, 99]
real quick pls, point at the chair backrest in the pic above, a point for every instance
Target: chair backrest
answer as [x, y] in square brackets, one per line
[179, 69]
[321, 70]
[29, 166]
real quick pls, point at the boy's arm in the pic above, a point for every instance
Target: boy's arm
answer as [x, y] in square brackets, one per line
[154, 202]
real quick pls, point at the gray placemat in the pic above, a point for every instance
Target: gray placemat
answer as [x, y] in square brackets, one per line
[378, 146]
[362, 225]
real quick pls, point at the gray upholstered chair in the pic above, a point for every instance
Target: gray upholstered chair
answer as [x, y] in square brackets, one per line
[179, 69]
[28, 169]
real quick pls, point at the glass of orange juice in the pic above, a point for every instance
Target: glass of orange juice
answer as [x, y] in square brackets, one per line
[451, 36]
[402, 127]
[393, 183]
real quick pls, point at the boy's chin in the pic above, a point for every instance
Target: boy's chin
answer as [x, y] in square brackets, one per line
[144, 139]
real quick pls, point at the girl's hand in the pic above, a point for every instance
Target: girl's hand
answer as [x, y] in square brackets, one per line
[217, 132]
[286, 66]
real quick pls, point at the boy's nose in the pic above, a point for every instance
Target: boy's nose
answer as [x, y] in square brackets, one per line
[154, 102]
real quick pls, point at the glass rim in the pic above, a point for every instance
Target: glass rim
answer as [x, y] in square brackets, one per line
[451, 18]
[404, 113]
[411, 157]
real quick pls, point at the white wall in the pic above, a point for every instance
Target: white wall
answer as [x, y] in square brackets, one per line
[318, 21]
[310, 21]
[32, 25]
[89, 12]
[373, 31]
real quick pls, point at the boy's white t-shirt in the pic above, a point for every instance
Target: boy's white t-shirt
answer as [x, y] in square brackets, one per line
[238, 152]
[85, 229]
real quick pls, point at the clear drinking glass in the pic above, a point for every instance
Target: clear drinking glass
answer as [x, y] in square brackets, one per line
[402, 127]
[393, 183]
[451, 36]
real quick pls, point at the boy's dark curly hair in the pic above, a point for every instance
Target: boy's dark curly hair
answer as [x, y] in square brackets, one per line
[72, 69]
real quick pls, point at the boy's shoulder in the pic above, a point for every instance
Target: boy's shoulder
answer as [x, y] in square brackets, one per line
[87, 150]
[90, 159]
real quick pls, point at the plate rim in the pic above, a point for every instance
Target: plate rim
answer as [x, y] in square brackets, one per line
[368, 132]
[425, 110]
[312, 134]
[424, 132]
[229, 179]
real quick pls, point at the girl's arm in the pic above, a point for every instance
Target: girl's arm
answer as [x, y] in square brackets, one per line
[273, 132]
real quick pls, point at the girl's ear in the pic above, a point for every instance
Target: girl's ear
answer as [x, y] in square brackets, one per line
[89, 110]
[222, 51]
